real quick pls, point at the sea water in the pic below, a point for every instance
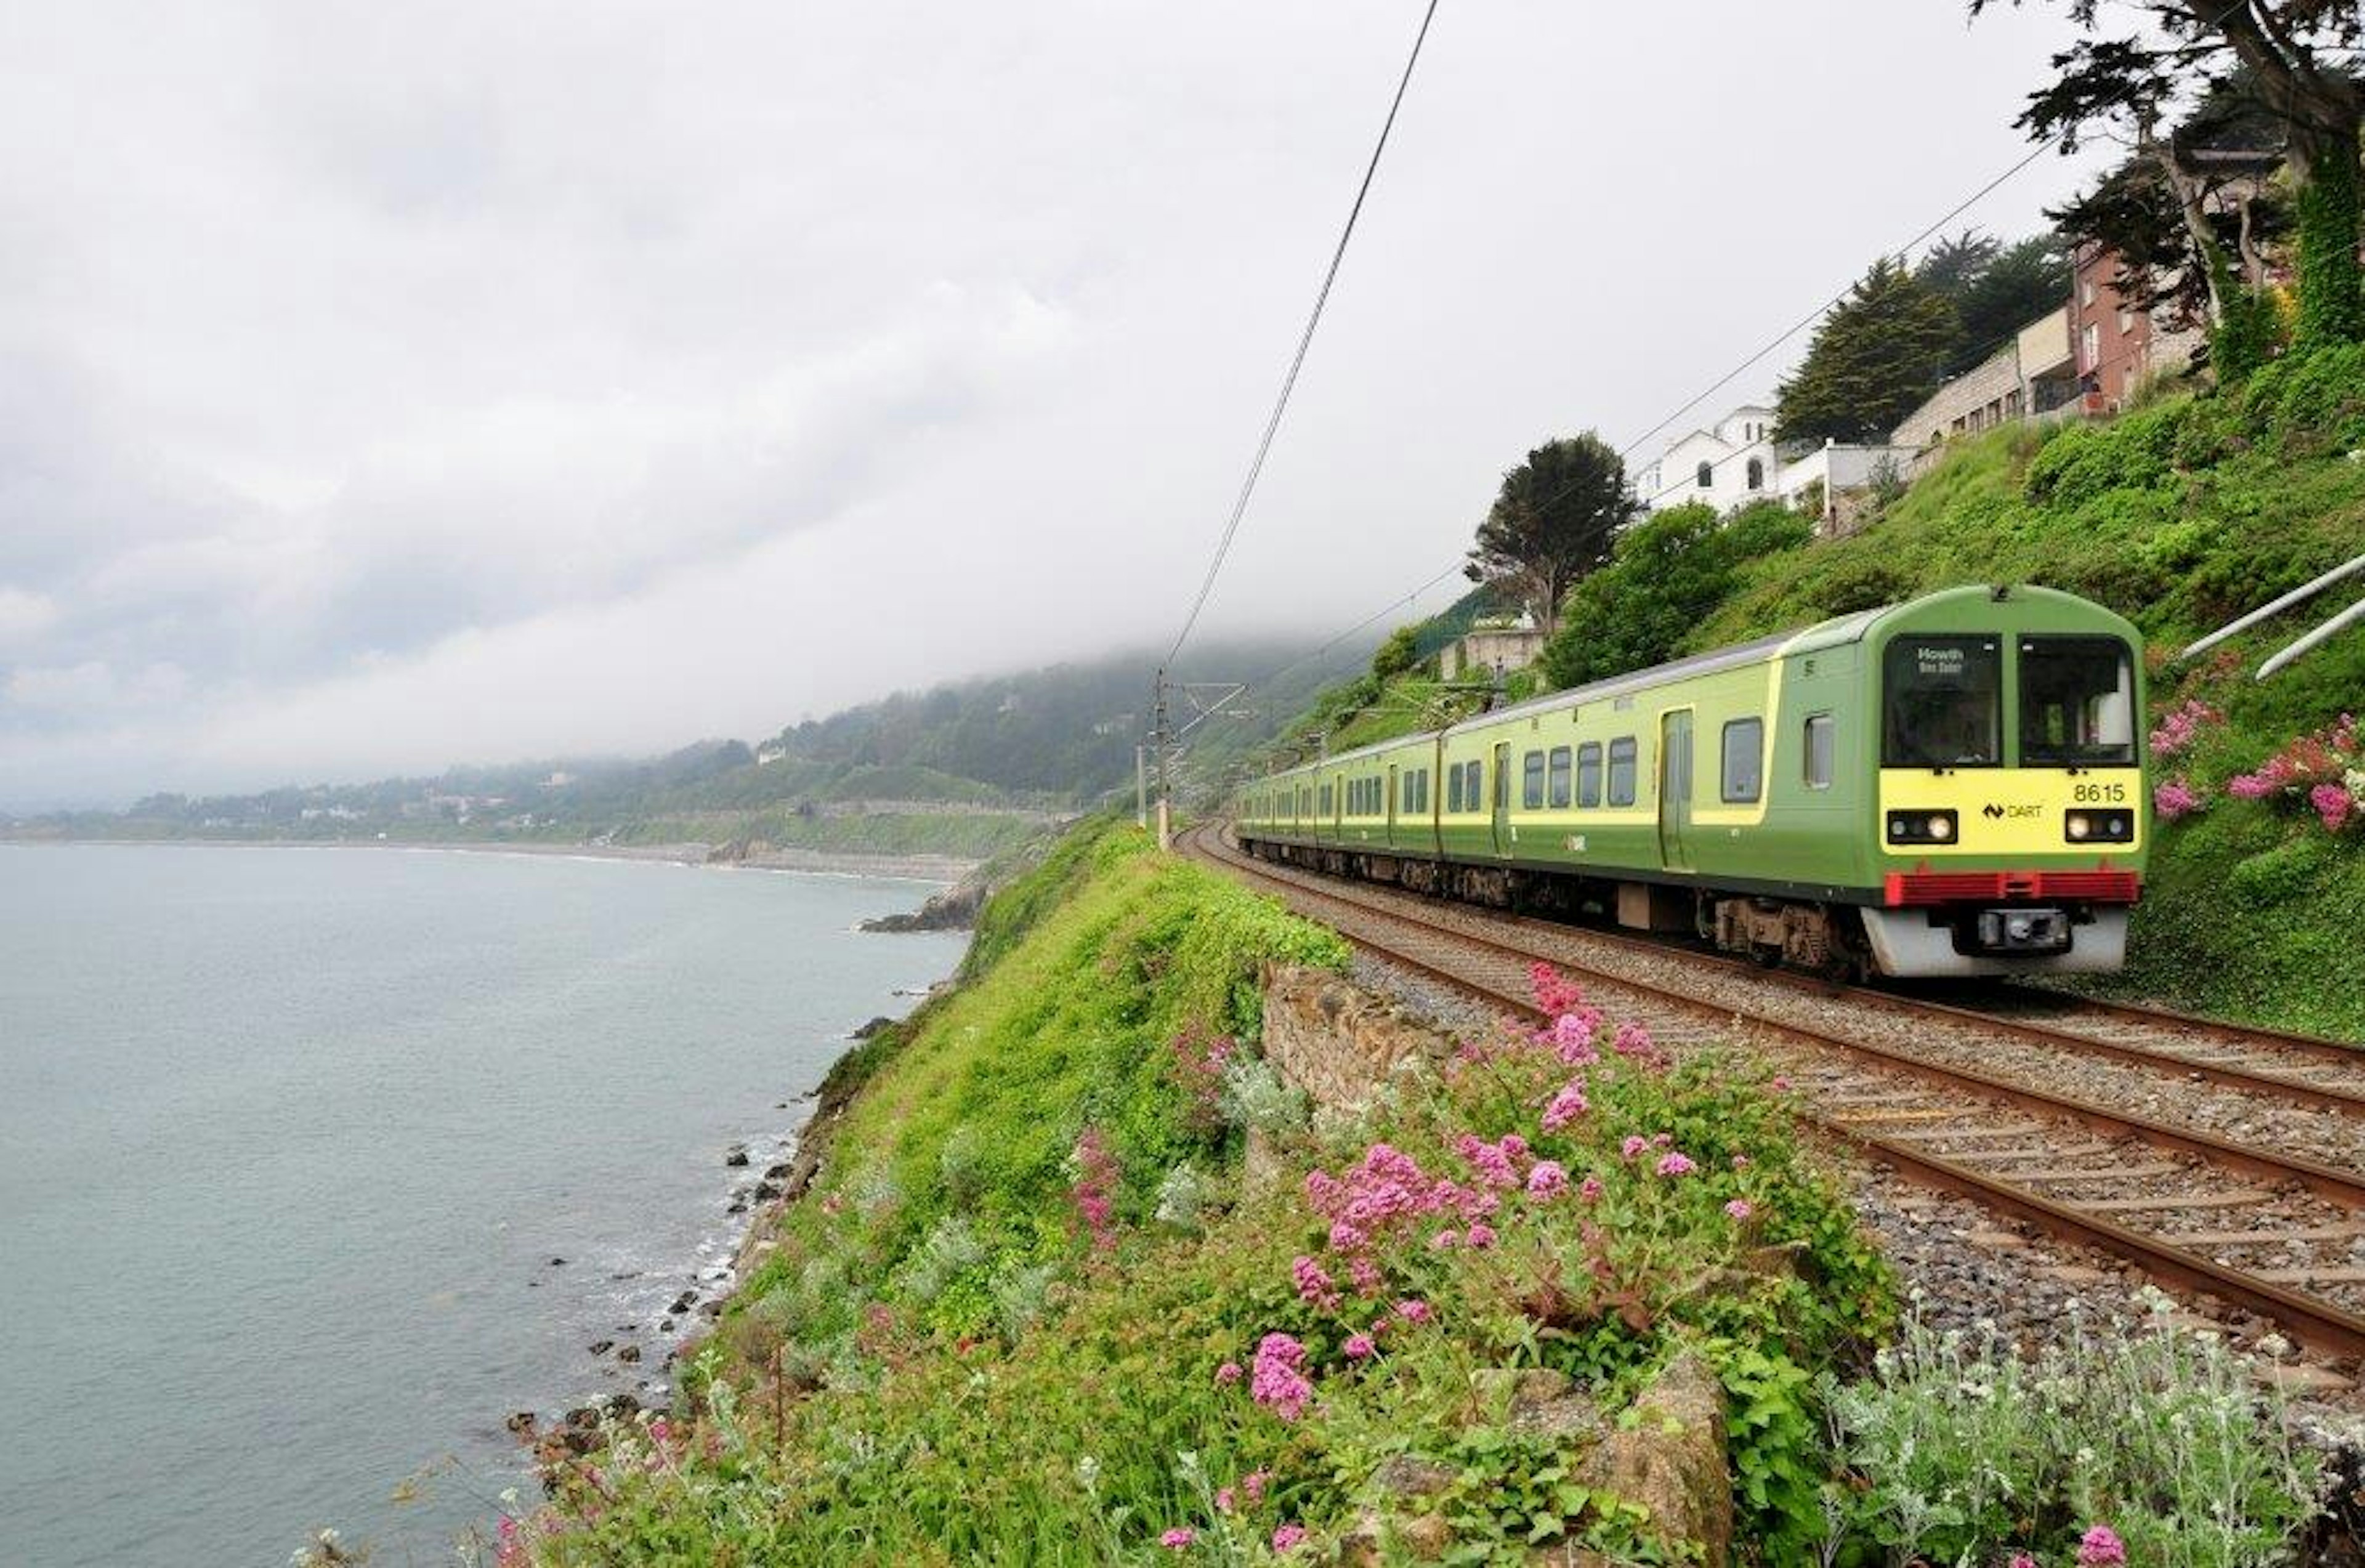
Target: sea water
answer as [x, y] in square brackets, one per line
[292, 1142]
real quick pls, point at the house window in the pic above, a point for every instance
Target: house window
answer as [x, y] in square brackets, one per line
[1707, 473]
[2092, 346]
[1744, 777]
[2086, 291]
[1588, 775]
[1822, 741]
[1621, 771]
[1756, 474]
[2126, 321]
[1532, 782]
[1560, 778]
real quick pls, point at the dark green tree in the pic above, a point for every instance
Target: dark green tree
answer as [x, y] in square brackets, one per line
[1555, 520]
[1877, 355]
[1670, 572]
[2299, 59]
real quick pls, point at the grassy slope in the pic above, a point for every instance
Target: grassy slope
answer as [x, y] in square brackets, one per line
[967, 1377]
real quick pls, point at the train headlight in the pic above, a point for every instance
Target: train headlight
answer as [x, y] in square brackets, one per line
[2099, 827]
[1921, 827]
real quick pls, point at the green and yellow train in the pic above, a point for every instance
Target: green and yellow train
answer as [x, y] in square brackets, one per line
[1951, 786]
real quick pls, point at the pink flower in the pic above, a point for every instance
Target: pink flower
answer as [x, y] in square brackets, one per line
[1359, 1348]
[2332, 804]
[1279, 1381]
[1492, 1161]
[1781, 1085]
[1589, 1189]
[1228, 1374]
[1565, 1106]
[1677, 1164]
[1570, 1038]
[1314, 1286]
[2020, 1560]
[2173, 798]
[1634, 1041]
[1554, 992]
[1223, 1499]
[1480, 1236]
[1253, 1483]
[1177, 1539]
[1548, 1179]
[1634, 1145]
[2249, 786]
[1366, 1276]
[1742, 1162]
[1286, 1536]
[660, 1430]
[2101, 1548]
[1446, 1239]
[1414, 1311]
[1739, 1208]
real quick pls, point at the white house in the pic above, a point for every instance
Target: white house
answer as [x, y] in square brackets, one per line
[1736, 463]
[1727, 466]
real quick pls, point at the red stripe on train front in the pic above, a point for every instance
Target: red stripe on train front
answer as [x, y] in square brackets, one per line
[1901, 888]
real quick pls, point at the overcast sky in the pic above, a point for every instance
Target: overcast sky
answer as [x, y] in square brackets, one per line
[385, 386]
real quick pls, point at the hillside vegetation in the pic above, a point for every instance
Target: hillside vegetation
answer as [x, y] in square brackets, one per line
[966, 770]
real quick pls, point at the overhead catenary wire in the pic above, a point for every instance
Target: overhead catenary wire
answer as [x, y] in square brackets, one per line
[1928, 230]
[1305, 341]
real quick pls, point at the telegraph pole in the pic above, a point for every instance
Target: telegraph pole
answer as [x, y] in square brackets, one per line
[1158, 738]
[1140, 785]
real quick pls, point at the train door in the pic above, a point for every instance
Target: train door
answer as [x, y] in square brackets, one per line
[1676, 789]
[1502, 766]
[1392, 804]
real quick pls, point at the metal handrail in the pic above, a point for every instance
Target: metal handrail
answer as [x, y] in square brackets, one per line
[2300, 645]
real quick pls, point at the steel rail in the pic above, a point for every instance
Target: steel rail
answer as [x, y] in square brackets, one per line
[2297, 1090]
[2317, 1323]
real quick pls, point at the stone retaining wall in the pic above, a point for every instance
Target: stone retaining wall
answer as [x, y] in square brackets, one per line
[1337, 1041]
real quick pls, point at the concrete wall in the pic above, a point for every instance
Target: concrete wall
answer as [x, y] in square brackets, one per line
[1516, 647]
[1988, 394]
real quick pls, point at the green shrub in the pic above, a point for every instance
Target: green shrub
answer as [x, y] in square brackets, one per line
[1968, 1451]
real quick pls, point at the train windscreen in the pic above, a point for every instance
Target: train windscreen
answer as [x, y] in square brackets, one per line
[2077, 702]
[1942, 702]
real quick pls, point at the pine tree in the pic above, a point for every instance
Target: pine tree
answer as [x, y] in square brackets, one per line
[1875, 357]
[1555, 520]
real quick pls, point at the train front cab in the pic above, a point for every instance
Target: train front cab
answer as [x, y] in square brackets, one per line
[2012, 821]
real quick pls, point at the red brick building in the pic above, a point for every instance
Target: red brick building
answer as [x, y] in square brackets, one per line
[2113, 342]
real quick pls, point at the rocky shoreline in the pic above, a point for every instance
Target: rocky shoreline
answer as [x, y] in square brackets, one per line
[753, 1203]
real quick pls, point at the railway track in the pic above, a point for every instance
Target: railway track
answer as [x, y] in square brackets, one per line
[1958, 1098]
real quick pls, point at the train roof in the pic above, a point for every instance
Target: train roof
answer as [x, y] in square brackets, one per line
[1837, 631]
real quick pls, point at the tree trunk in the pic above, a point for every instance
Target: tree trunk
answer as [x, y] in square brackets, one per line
[2323, 111]
[2325, 172]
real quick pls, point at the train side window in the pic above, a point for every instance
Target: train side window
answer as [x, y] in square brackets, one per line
[1532, 782]
[1621, 771]
[1822, 747]
[1743, 775]
[1559, 777]
[1454, 787]
[1326, 798]
[1588, 775]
